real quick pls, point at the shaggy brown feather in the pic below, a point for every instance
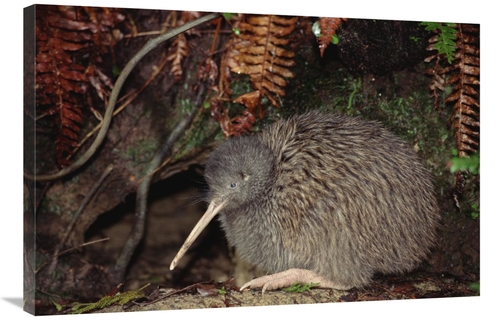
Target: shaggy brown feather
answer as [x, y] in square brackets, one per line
[336, 195]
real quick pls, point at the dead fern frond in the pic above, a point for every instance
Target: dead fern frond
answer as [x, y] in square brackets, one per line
[60, 83]
[259, 51]
[325, 30]
[442, 47]
[179, 49]
[438, 79]
[463, 75]
[465, 94]
[62, 34]
[177, 53]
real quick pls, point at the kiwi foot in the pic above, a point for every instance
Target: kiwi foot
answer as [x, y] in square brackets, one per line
[288, 278]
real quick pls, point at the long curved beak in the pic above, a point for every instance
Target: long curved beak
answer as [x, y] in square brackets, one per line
[211, 212]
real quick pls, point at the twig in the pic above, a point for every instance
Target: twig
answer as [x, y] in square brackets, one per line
[143, 34]
[130, 97]
[143, 189]
[83, 245]
[167, 161]
[69, 250]
[149, 46]
[84, 203]
[173, 292]
[141, 201]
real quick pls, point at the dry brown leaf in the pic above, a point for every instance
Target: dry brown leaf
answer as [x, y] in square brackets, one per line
[250, 100]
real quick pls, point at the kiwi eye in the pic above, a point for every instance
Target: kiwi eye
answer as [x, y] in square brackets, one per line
[233, 185]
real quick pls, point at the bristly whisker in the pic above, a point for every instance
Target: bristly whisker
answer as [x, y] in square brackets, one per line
[199, 196]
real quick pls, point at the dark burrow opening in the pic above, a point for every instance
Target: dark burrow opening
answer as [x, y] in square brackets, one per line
[174, 207]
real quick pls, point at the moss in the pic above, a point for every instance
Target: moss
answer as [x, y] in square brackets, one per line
[203, 131]
[142, 151]
[186, 106]
[120, 298]
[297, 287]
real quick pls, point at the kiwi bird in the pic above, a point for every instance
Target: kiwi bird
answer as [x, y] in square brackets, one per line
[321, 198]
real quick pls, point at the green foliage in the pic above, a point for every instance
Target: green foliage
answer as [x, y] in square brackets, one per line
[335, 39]
[221, 291]
[475, 211]
[121, 298]
[470, 164]
[142, 150]
[355, 87]
[116, 71]
[316, 29]
[297, 287]
[474, 286]
[446, 38]
[228, 15]
[415, 39]
[57, 305]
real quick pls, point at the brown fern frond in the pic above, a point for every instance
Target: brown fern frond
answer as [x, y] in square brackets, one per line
[62, 35]
[101, 23]
[259, 52]
[179, 48]
[70, 119]
[465, 94]
[328, 28]
[177, 53]
[463, 76]
[437, 72]
[60, 84]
